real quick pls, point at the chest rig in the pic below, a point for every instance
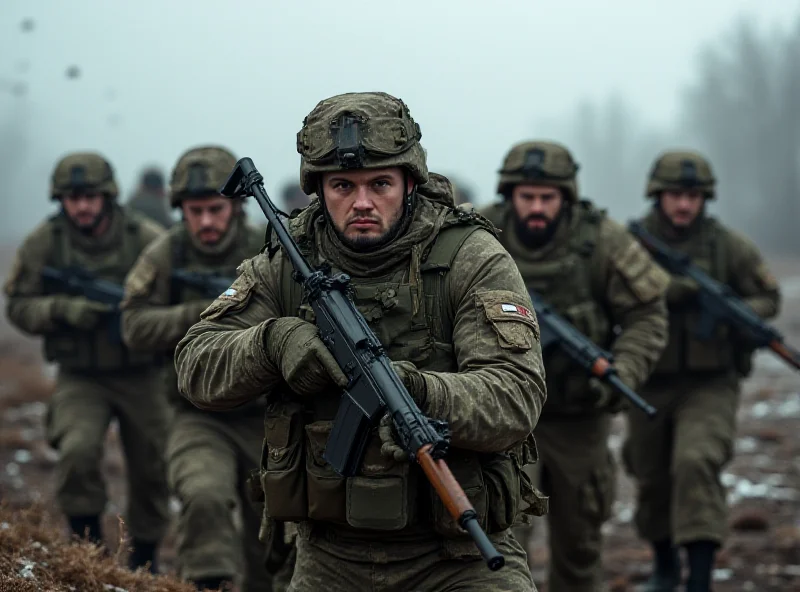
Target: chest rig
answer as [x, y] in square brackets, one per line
[92, 350]
[409, 311]
[684, 351]
[567, 279]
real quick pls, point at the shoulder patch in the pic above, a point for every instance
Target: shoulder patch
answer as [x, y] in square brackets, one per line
[510, 315]
[234, 298]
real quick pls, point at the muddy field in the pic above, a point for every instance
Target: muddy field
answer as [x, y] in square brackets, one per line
[762, 554]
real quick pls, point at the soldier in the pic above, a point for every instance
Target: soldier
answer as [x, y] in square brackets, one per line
[98, 378]
[464, 343]
[209, 455]
[593, 273]
[677, 459]
[294, 198]
[150, 199]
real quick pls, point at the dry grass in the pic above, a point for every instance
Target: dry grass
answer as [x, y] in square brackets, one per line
[36, 556]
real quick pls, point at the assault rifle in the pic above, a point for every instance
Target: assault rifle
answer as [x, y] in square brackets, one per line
[556, 331]
[210, 284]
[75, 281]
[718, 301]
[373, 386]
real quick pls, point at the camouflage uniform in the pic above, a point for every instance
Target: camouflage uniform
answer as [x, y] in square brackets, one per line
[468, 360]
[98, 379]
[595, 275]
[209, 455]
[677, 459]
[149, 200]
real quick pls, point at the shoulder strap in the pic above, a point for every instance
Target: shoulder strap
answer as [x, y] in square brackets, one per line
[177, 249]
[584, 242]
[719, 254]
[59, 254]
[434, 273]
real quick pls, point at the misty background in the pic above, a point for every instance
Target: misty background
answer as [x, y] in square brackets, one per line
[616, 81]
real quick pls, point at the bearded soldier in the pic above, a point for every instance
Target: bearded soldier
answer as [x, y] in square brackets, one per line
[209, 455]
[677, 459]
[590, 270]
[450, 308]
[99, 379]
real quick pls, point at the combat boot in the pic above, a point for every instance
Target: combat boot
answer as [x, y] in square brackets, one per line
[143, 553]
[666, 569]
[88, 527]
[700, 556]
[222, 584]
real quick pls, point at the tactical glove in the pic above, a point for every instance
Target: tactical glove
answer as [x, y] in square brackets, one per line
[389, 446]
[305, 363]
[414, 382]
[681, 290]
[79, 312]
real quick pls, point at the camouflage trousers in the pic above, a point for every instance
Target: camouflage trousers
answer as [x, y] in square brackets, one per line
[209, 458]
[677, 457]
[333, 565]
[577, 470]
[78, 418]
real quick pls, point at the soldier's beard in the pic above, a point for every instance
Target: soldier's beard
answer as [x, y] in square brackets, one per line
[370, 243]
[680, 230]
[89, 228]
[534, 238]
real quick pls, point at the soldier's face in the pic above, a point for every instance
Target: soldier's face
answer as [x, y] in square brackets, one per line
[208, 219]
[536, 206]
[85, 210]
[682, 207]
[365, 205]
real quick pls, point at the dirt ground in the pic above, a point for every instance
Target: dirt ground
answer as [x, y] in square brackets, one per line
[763, 482]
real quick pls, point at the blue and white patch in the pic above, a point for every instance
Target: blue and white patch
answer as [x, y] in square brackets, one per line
[229, 293]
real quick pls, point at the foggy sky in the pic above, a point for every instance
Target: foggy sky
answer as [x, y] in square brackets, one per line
[158, 77]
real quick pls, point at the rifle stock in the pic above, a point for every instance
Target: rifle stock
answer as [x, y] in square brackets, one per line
[373, 385]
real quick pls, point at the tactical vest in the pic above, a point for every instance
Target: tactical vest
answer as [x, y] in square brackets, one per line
[75, 350]
[413, 323]
[684, 351]
[185, 256]
[566, 279]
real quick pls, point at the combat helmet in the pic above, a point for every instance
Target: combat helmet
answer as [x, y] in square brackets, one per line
[83, 172]
[152, 178]
[200, 172]
[359, 131]
[681, 169]
[539, 163]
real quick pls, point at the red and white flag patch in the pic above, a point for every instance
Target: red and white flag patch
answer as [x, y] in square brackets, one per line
[516, 309]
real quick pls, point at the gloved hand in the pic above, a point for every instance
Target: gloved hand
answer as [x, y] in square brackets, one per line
[604, 394]
[681, 290]
[389, 447]
[305, 363]
[79, 312]
[414, 382]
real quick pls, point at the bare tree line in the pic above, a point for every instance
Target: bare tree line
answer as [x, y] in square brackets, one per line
[742, 110]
